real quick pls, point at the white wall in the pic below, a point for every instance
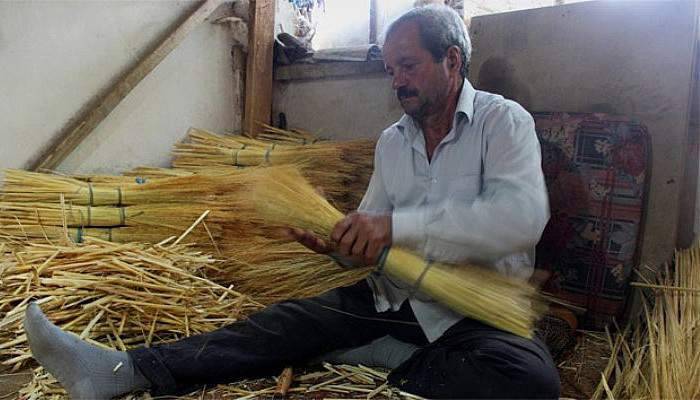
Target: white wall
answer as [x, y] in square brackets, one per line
[55, 56]
[339, 108]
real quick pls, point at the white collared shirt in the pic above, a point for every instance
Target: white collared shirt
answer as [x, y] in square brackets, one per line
[481, 199]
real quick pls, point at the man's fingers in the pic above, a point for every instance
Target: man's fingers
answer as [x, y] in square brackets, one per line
[358, 248]
[347, 241]
[309, 240]
[295, 233]
[340, 229]
[321, 245]
[373, 251]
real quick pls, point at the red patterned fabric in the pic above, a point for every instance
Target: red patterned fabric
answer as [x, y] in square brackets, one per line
[596, 167]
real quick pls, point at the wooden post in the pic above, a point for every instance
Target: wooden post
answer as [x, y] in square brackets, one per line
[258, 85]
[373, 21]
[68, 139]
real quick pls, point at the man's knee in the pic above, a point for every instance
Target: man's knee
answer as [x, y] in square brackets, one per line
[502, 371]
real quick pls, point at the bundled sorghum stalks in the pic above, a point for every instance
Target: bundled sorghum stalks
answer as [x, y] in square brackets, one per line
[341, 169]
[273, 270]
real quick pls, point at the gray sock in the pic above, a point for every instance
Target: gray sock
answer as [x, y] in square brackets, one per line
[84, 370]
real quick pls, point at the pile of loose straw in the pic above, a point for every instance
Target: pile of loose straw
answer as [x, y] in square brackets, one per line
[659, 357]
[115, 295]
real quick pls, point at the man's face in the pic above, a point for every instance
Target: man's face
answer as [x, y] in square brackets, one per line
[421, 84]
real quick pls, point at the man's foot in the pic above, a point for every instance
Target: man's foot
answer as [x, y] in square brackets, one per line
[84, 370]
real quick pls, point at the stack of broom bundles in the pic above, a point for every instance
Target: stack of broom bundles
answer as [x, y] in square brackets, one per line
[341, 169]
[283, 197]
[36, 206]
[659, 357]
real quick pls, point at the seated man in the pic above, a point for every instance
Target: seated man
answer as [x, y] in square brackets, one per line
[457, 178]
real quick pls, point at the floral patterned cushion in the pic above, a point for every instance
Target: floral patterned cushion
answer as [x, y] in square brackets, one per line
[595, 166]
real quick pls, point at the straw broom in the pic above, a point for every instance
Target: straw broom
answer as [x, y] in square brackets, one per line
[49, 214]
[271, 271]
[659, 356]
[292, 136]
[196, 154]
[19, 234]
[283, 197]
[24, 186]
[341, 169]
[201, 136]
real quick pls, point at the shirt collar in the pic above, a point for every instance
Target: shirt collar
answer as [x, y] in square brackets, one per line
[465, 106]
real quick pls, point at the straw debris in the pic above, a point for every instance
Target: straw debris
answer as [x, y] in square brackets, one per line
[659, 356]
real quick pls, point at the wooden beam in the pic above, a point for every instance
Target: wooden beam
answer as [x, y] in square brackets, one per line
[70, 137]
[258, 85]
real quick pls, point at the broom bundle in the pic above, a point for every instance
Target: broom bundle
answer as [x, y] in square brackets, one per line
[659, 357]
[272, 270]
[284, 136]
[19, 234]
[28, 187]
[283, 197]
[201, 136]
[120, 295]
[238, 154]
[341, 169]
[170, 215]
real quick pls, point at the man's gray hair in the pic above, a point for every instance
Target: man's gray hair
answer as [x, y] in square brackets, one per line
[440, 27]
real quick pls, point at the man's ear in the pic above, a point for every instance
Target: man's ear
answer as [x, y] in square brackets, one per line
[454, 59]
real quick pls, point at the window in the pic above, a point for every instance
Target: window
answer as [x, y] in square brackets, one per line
[329, 24]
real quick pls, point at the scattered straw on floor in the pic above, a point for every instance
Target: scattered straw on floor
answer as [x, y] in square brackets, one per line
[120, 295]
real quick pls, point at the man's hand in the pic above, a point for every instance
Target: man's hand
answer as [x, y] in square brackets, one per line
[361, 237]
[310, 241]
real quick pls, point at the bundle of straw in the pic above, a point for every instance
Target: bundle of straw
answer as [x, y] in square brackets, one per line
[18, 234]
[50, 214]
[123, 295]
[283, 197]
[659, 356]
[210, 149]
[271, 271]
[27, 187]
[292, 136]
[341, 169]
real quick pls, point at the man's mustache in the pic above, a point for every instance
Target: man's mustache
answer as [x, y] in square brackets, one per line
[404, 92]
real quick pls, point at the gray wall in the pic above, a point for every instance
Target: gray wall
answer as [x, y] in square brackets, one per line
[56, 56]
[632, 58]
[339, 108]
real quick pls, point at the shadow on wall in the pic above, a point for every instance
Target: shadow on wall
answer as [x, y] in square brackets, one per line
[498, 75]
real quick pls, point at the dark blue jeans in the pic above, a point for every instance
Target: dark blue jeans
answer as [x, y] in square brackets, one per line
[471, 360]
